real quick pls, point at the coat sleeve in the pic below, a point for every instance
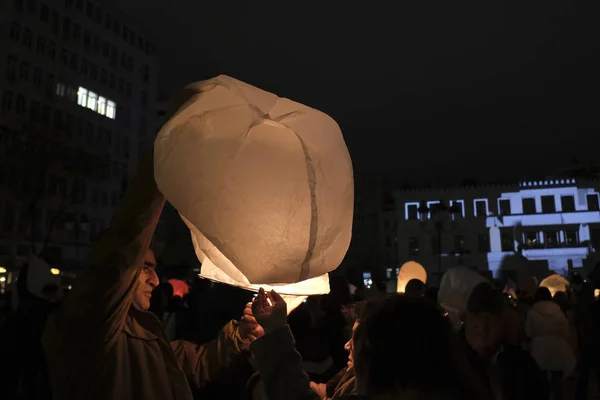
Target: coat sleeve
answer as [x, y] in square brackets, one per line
[280, 367]
[96, 308]
[208, 363]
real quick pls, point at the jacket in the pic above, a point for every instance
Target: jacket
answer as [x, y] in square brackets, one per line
[98, 346]
[548, 329]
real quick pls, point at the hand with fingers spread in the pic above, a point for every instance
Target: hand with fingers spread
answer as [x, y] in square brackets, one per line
[249, 327]
[270, 310]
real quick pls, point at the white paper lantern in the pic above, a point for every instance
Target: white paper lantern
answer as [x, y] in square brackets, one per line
[455, 289]
[410, 270]
[264, 184]
[555, 283]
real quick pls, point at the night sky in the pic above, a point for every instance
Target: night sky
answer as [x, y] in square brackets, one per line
[427, 91]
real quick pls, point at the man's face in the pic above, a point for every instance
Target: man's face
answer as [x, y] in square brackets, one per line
[349, 347]
[147, 281]
[484, 333]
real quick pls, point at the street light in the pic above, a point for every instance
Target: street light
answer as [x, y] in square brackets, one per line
[440, 217]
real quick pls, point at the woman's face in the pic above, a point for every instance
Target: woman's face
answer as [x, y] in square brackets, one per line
[349, 347]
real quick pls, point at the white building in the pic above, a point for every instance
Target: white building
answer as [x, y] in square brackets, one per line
[78, 94]
[554, 223]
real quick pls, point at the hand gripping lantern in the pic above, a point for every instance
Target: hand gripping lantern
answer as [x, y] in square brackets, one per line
[264, 184]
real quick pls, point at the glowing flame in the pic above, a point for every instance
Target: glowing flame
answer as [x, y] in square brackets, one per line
[2, 270]
[55, 271]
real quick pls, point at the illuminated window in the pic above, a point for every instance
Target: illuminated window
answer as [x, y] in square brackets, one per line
[101, 105]
[111, 109]
[82, 96]
[571, 238]
[91, 100]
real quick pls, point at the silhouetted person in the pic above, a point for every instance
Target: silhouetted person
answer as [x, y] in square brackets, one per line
[103, 344]
[590, 327]
[392, 357]
[542, 294]
[547, 327]
[432, 293]
[509, 371]
[415, 288]
[22, 351]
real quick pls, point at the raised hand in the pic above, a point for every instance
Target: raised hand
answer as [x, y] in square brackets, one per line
[270, 310]
[249, 327]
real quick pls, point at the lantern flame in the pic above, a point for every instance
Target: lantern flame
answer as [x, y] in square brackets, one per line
[55, 271]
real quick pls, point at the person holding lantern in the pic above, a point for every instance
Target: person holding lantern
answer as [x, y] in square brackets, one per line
[391, 355]
[103, 344]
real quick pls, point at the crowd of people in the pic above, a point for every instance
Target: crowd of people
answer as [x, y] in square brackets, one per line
[122, 334]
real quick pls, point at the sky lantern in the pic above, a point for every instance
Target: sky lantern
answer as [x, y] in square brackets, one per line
[555, 283]
[264, 184]
[455, 289]
[180, 288]
[410, 270]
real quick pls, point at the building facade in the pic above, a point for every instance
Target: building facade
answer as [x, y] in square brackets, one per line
[553, 224]
[78, 94]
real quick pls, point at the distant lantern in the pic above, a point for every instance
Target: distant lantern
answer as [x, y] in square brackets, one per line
[555, 283]
[264, 184]
[180, 288]
[410, 270]
[455, 289]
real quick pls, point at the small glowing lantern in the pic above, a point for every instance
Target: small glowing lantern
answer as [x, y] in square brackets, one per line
[180, 288]
[2, 270]
[55, 271]
[264, 184]
[555, 283]
[410, 270]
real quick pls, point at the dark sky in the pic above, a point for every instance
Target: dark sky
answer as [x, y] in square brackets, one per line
[432, 91]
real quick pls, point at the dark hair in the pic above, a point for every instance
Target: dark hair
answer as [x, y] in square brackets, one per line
[415, 287]
[542, 294]
[486, 299]
[406, 344]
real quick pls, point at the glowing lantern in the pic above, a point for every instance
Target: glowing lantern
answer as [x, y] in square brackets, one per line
[455, 289]
[555, 283]
[264, 184]
[180, 288]
[2, 270]
[596, 293]
[408, 271]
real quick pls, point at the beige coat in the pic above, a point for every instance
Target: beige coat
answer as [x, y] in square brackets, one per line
[100, 347]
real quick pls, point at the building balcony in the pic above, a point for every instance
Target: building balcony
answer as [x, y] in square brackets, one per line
[564, 218]
[582, 251]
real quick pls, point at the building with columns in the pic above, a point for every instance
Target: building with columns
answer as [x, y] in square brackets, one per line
[553, 224]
